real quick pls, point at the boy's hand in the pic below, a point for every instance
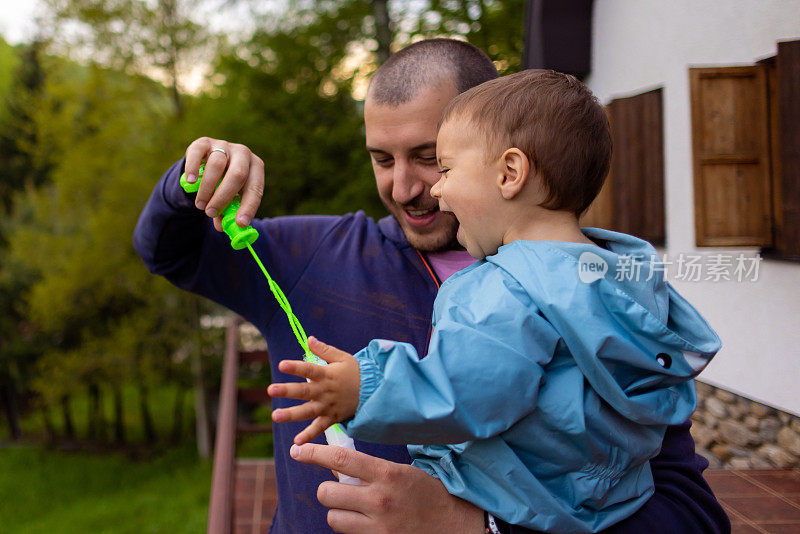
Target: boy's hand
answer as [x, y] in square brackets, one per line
[331, 390]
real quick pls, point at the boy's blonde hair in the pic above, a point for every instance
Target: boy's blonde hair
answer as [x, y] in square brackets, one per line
[555, 120]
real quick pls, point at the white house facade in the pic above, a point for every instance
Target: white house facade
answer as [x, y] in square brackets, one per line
[640, 45]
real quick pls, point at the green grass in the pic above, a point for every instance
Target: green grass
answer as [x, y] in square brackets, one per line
[43, 491]
[52, 492]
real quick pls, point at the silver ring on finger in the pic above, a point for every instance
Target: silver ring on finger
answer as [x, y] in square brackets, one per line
[218, 150]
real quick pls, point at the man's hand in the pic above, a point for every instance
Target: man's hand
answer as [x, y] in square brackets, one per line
[241, 171]
[392, 497]
[331, 390]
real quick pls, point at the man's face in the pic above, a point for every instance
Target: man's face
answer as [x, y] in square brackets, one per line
[402, 143]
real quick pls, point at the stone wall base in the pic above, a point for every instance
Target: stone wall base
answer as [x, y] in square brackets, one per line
[737, 433]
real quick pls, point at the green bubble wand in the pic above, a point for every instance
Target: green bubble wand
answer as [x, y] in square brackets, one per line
[243, 238]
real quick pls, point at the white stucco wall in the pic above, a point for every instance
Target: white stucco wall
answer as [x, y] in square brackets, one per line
[643, 44]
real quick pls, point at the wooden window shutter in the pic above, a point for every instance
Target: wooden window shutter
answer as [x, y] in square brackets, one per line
[731, 152]
[632, 200]
[787, 168]
[600, 212]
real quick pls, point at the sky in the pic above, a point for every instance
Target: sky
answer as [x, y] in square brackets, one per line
[17, 16]
[17, 24]
[16, 19]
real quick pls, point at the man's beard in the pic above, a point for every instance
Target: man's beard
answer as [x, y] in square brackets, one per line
[443, 240]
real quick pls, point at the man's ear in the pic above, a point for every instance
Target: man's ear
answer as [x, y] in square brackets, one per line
[515, 172]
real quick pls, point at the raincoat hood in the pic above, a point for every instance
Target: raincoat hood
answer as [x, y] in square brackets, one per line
[631, 334]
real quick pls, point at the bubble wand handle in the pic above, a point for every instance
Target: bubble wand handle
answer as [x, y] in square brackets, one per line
[244, 238]
[240, 237]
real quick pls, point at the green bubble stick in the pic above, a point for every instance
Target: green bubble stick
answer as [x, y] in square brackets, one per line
[244, 238]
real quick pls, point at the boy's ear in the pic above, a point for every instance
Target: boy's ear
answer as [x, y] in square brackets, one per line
[515, 172]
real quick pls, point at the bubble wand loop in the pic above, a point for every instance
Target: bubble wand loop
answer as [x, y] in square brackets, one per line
[244, 238]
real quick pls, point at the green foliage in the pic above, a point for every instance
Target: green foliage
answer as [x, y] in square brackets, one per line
[106, 320]
[9, 60]
[496, 27]
[21, 82]
[132, 36]
[162, 402]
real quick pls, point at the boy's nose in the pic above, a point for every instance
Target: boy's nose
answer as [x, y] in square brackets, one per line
[436, 190]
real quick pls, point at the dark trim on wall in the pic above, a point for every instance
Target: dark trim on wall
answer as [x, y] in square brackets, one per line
[558, 36]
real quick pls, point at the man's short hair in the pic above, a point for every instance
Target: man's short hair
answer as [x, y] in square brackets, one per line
[555, 120]
[427, 64]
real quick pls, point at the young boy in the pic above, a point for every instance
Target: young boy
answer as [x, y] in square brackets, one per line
[554, 378]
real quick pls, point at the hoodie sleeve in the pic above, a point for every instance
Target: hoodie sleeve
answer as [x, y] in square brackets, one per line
[481, 375]
[179, 242]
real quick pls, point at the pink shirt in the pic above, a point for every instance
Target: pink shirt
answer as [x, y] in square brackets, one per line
[447, 262]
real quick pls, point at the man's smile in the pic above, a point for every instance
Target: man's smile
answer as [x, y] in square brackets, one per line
[420, 217]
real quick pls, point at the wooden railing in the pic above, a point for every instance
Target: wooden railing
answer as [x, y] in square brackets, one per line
[220, 509]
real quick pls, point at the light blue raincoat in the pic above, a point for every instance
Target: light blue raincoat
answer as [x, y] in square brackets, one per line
[555, 378]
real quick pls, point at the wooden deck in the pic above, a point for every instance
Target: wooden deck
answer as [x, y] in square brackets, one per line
[255, 496]
[765, 501]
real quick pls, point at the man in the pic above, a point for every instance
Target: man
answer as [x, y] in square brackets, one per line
[350, 280]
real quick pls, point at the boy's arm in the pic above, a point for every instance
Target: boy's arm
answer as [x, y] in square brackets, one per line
[178, 241]
[481, 375]
[457, 392]
[682, 502]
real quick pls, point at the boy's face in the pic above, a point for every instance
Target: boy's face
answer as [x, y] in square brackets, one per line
[468, 187]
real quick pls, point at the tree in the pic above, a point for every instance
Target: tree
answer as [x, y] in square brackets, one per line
[494, 26]
[155, 38]
[73, 236]
[22, 82]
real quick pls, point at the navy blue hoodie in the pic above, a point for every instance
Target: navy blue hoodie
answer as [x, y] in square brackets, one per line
[351, 280]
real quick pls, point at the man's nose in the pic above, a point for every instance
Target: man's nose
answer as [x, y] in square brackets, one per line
[407, 184]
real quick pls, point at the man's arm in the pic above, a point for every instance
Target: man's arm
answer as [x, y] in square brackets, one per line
[402, 499]
[179, 242]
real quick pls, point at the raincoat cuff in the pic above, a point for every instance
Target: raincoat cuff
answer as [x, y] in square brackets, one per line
[371, 377]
